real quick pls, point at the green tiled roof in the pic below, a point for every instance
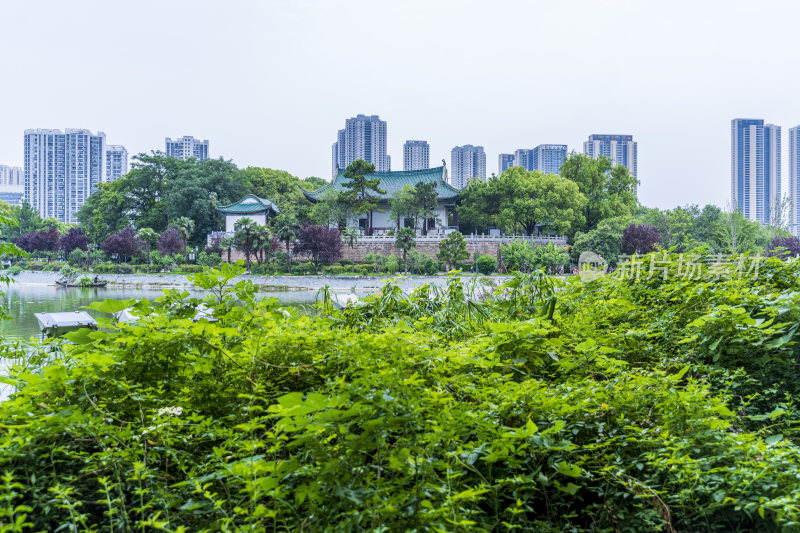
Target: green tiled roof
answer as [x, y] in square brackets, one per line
[391, 182]
[241, 207]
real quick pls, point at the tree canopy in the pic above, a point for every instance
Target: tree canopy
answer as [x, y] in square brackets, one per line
[361, 190]
[519, 200]
[610, 190]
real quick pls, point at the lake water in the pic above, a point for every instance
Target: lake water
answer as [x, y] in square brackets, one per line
[25, 300]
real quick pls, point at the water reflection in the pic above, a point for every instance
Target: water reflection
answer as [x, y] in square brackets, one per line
[25, 300]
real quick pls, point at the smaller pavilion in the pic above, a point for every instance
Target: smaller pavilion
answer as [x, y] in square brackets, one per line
[251, 206]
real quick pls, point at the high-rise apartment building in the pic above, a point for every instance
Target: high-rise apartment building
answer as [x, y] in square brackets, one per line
[546, 158]
[467, 162]
[363, 137]
[794, 179]
[755, 168]
[11, 184]
[620, 149]
[62, 170]
[504, 162]
[116, 162]
[416, 155]
[187, 147]
[11, 176]
[523, 158]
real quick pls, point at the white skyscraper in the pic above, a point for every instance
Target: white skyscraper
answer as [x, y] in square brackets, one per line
[363, 137]
[62, 170]
[416, 155]
[11, 176]
[467, 162]
[116, 162]
[755, 168]
[187, 147]
[794, 179]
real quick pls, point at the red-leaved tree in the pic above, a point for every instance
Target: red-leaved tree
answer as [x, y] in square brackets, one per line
[170, 241]
[38, 241]
[122, 245]
[641, 239]
[322, 244]
[72, 239]
[784, 247]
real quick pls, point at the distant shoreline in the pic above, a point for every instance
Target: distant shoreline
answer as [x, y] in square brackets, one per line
[267, 283]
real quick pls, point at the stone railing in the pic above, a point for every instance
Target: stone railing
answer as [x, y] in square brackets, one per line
[214, 235]
[437, 237]
[472, 238]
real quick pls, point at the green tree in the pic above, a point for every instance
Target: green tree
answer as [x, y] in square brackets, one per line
[185, 226]
[359, 189]
[405, 240]
[159, 189]
[350, 236]
[425, 200]
[605, 239]
[610, 190]
[287, 229]
[331, 210]
[148, 236]
[404, 206]
[284, 189]
[245, 231]
[531, 199]
[479, 205]
[227, 243]
[453, 250]
[262, 243]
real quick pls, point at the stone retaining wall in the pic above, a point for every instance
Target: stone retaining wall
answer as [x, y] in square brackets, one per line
[361, 249]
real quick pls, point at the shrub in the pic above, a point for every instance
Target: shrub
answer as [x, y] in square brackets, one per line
[616, 405]
[374, 259]
[453, 250]
[14, 270]
[426, 265]
[54, 266]
[76, 257]
[486, 264]
[123, 269]
[345, 262]
[104, 268]
[209, 259]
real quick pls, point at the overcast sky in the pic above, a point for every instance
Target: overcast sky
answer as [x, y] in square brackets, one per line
[270, 82]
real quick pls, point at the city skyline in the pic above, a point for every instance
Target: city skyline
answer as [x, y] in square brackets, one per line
[675, 92]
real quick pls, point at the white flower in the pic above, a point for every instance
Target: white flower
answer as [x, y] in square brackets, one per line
[170, 411]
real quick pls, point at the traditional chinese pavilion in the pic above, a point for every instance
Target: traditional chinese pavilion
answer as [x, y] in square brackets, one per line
[251, 206]
[394, 181]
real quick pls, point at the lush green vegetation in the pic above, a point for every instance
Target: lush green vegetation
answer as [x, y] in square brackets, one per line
[683, 229]
[160, 190]
[658, 405]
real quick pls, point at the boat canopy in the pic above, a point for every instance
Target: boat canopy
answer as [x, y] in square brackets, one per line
[66, 319]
